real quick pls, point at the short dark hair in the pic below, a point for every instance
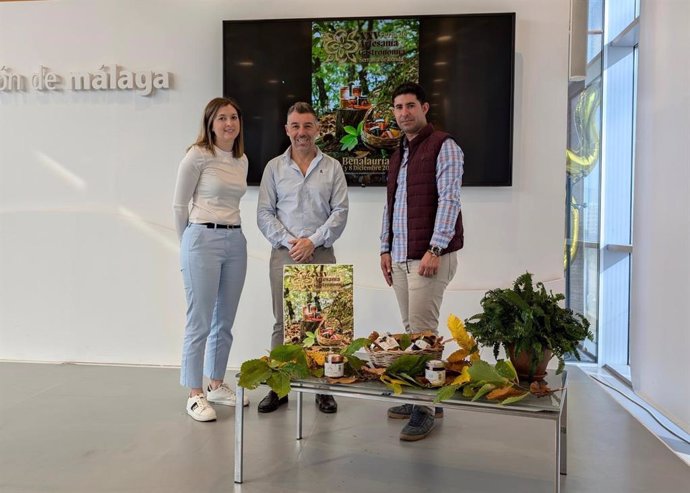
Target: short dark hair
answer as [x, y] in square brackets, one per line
[410, 88]
[302, 108]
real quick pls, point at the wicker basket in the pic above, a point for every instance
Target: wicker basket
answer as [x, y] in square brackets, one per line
[328, 323]
[374, 142]
[383, 359]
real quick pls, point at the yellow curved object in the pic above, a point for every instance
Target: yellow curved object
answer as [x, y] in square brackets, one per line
[575, 228]
[581, 161]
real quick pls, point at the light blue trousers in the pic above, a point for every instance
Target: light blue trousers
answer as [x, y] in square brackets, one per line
[214, 266]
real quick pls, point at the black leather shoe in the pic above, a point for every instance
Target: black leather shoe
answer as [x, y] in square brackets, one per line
[271, 402]
[326, 403]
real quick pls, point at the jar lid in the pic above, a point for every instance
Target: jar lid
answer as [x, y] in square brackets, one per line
[335, 358]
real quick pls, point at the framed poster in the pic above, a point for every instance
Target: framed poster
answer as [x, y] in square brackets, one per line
[318, 304]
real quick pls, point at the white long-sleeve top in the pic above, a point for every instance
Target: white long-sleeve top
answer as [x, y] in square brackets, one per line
[213, 184]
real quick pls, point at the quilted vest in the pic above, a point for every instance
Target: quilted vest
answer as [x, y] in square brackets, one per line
[422, 193]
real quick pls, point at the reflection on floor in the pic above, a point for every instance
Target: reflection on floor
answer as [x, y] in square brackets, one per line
[74, 429]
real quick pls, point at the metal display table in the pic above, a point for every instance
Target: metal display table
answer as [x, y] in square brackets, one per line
[552, 408]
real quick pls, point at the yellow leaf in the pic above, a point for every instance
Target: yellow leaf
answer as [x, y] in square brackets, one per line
[464, 377]
[393, 383]
[318, 357]
[456, 366]
[458, 355]
[342, 380]
[462, 337]
[503, 393]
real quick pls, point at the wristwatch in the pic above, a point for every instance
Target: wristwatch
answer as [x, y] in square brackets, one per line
[435, 250]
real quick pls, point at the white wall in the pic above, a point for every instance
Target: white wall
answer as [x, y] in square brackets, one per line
[88, 256]
[660, 298]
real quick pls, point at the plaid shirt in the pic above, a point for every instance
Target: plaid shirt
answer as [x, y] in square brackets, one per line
[449, 168]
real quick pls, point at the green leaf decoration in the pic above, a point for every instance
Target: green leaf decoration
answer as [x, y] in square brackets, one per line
[349, 142]
[393, 383]
[446, 393]
[360, 127]
[485, 389]
[506, 369]
[253, 372]
[286, 352]
[309, 339]
[355, 362]
[296, 370]
[513, 399]
[468, 391]
[355, 346]
[279, 383]
[410, 364]
[350, 130]
[481, 371]
[410, 380]
[405, 341]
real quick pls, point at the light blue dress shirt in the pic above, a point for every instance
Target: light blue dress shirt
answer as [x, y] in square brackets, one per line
[293, 206]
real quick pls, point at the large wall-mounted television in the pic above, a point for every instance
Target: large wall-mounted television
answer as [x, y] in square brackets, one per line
[348, 67]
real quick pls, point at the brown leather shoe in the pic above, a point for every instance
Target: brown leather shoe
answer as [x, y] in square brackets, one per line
[326, 403]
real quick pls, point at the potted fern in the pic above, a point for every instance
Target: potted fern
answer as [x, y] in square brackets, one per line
[531, 325]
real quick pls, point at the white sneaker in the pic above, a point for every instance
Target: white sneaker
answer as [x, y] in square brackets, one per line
[224, 395]
[199, 409]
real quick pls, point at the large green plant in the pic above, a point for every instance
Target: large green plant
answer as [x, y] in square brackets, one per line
[530, 319]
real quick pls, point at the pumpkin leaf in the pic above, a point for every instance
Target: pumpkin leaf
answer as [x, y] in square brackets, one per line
[350, 130]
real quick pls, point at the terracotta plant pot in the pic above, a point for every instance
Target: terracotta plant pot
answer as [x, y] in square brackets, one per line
[523, 362]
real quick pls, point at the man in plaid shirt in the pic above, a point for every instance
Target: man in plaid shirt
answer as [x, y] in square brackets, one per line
[421, 228]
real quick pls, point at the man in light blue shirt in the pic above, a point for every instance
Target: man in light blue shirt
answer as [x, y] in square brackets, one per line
[302, 211]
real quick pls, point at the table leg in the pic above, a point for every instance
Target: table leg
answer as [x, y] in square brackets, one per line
[564, 434]
[239, 431]
[557, 456]
[299, 415]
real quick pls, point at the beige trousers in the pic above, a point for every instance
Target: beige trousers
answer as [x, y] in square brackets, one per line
[419, 297]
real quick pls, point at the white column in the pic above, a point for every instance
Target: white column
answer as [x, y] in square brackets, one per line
[660, 298]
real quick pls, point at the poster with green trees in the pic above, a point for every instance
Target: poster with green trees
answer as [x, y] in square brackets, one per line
[356, 66]
[318, 304]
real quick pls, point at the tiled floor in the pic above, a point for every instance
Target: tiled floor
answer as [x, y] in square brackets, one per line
[67, 428]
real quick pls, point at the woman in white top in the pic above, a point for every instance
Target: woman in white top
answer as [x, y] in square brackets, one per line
[211, 180]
